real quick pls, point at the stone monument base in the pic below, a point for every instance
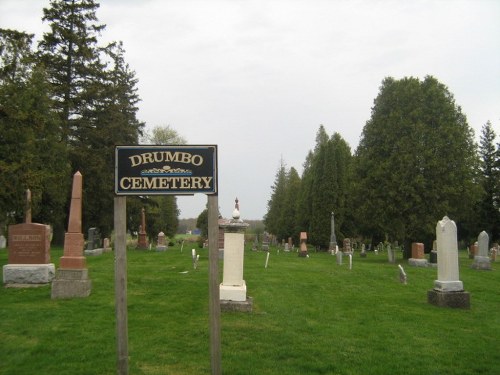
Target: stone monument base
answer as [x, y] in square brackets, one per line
[161, 248]
[460, 300]
[93, 252]
[303, 254]
[238, 306]
[415, 262]
[71, 283]
[28, 275]
[236, 293]
[481, 263]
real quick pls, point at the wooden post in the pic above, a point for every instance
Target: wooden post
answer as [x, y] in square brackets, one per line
[213, 281]
[121, 283]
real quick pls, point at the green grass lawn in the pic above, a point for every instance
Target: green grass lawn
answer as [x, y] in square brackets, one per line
[310, 316]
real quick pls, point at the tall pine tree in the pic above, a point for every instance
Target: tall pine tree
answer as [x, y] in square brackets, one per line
[489, 214]
[95, 96]
[30, 128]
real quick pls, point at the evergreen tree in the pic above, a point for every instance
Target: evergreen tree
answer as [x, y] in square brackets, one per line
[291, 208]
[489, 216]
[273, 219]
[71, 56]
[415, 162]
[96, 98]
[330, 188]
[29, 128]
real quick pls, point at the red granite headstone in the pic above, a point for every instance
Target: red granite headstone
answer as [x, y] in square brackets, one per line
[417, 250]
[29, 243]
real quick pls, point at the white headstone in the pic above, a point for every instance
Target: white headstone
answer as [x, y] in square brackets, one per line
[447, 247]
[3, 242]
[482, 260]
[483, 242]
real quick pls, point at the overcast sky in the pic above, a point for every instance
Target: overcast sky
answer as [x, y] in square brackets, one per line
[258, 78]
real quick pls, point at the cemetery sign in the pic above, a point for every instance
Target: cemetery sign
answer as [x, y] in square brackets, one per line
[165, 170]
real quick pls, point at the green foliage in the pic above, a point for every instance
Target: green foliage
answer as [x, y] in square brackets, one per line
[202, 223]
[330, 188]
[29, 129]
[274, 218]
[305, 205]
[489, 214]
[64, 108]
[164, 135]
[415, 162]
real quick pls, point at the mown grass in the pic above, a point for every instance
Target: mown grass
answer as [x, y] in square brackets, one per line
[310, 316]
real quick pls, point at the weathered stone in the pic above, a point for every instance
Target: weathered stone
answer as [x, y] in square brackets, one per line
[76, 285]
[28, 274]
[459, 299]
[237, 306]
[418, 262]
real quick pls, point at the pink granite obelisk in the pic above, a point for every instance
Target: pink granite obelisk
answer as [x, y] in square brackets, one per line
[73, 240]
[72, 276]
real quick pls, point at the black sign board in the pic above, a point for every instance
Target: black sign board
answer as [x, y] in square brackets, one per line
[163, 170]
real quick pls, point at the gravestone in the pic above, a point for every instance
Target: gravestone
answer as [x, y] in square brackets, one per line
[448, 289]
[482, 260]
[255, 246]
[72, 275]
[417, 255]
[391, 254]
[3, 242]
[106, 245]
[265, 242]
[93, 243]
[303, 244]
[362, 254]
[339, 255]
[28, 253]
[402, 275]
[433, 254]
[494, 252]
[333, 239]
[233, 289]
[142, 241]
[473, 250]
[346, 248]
[161, 244]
